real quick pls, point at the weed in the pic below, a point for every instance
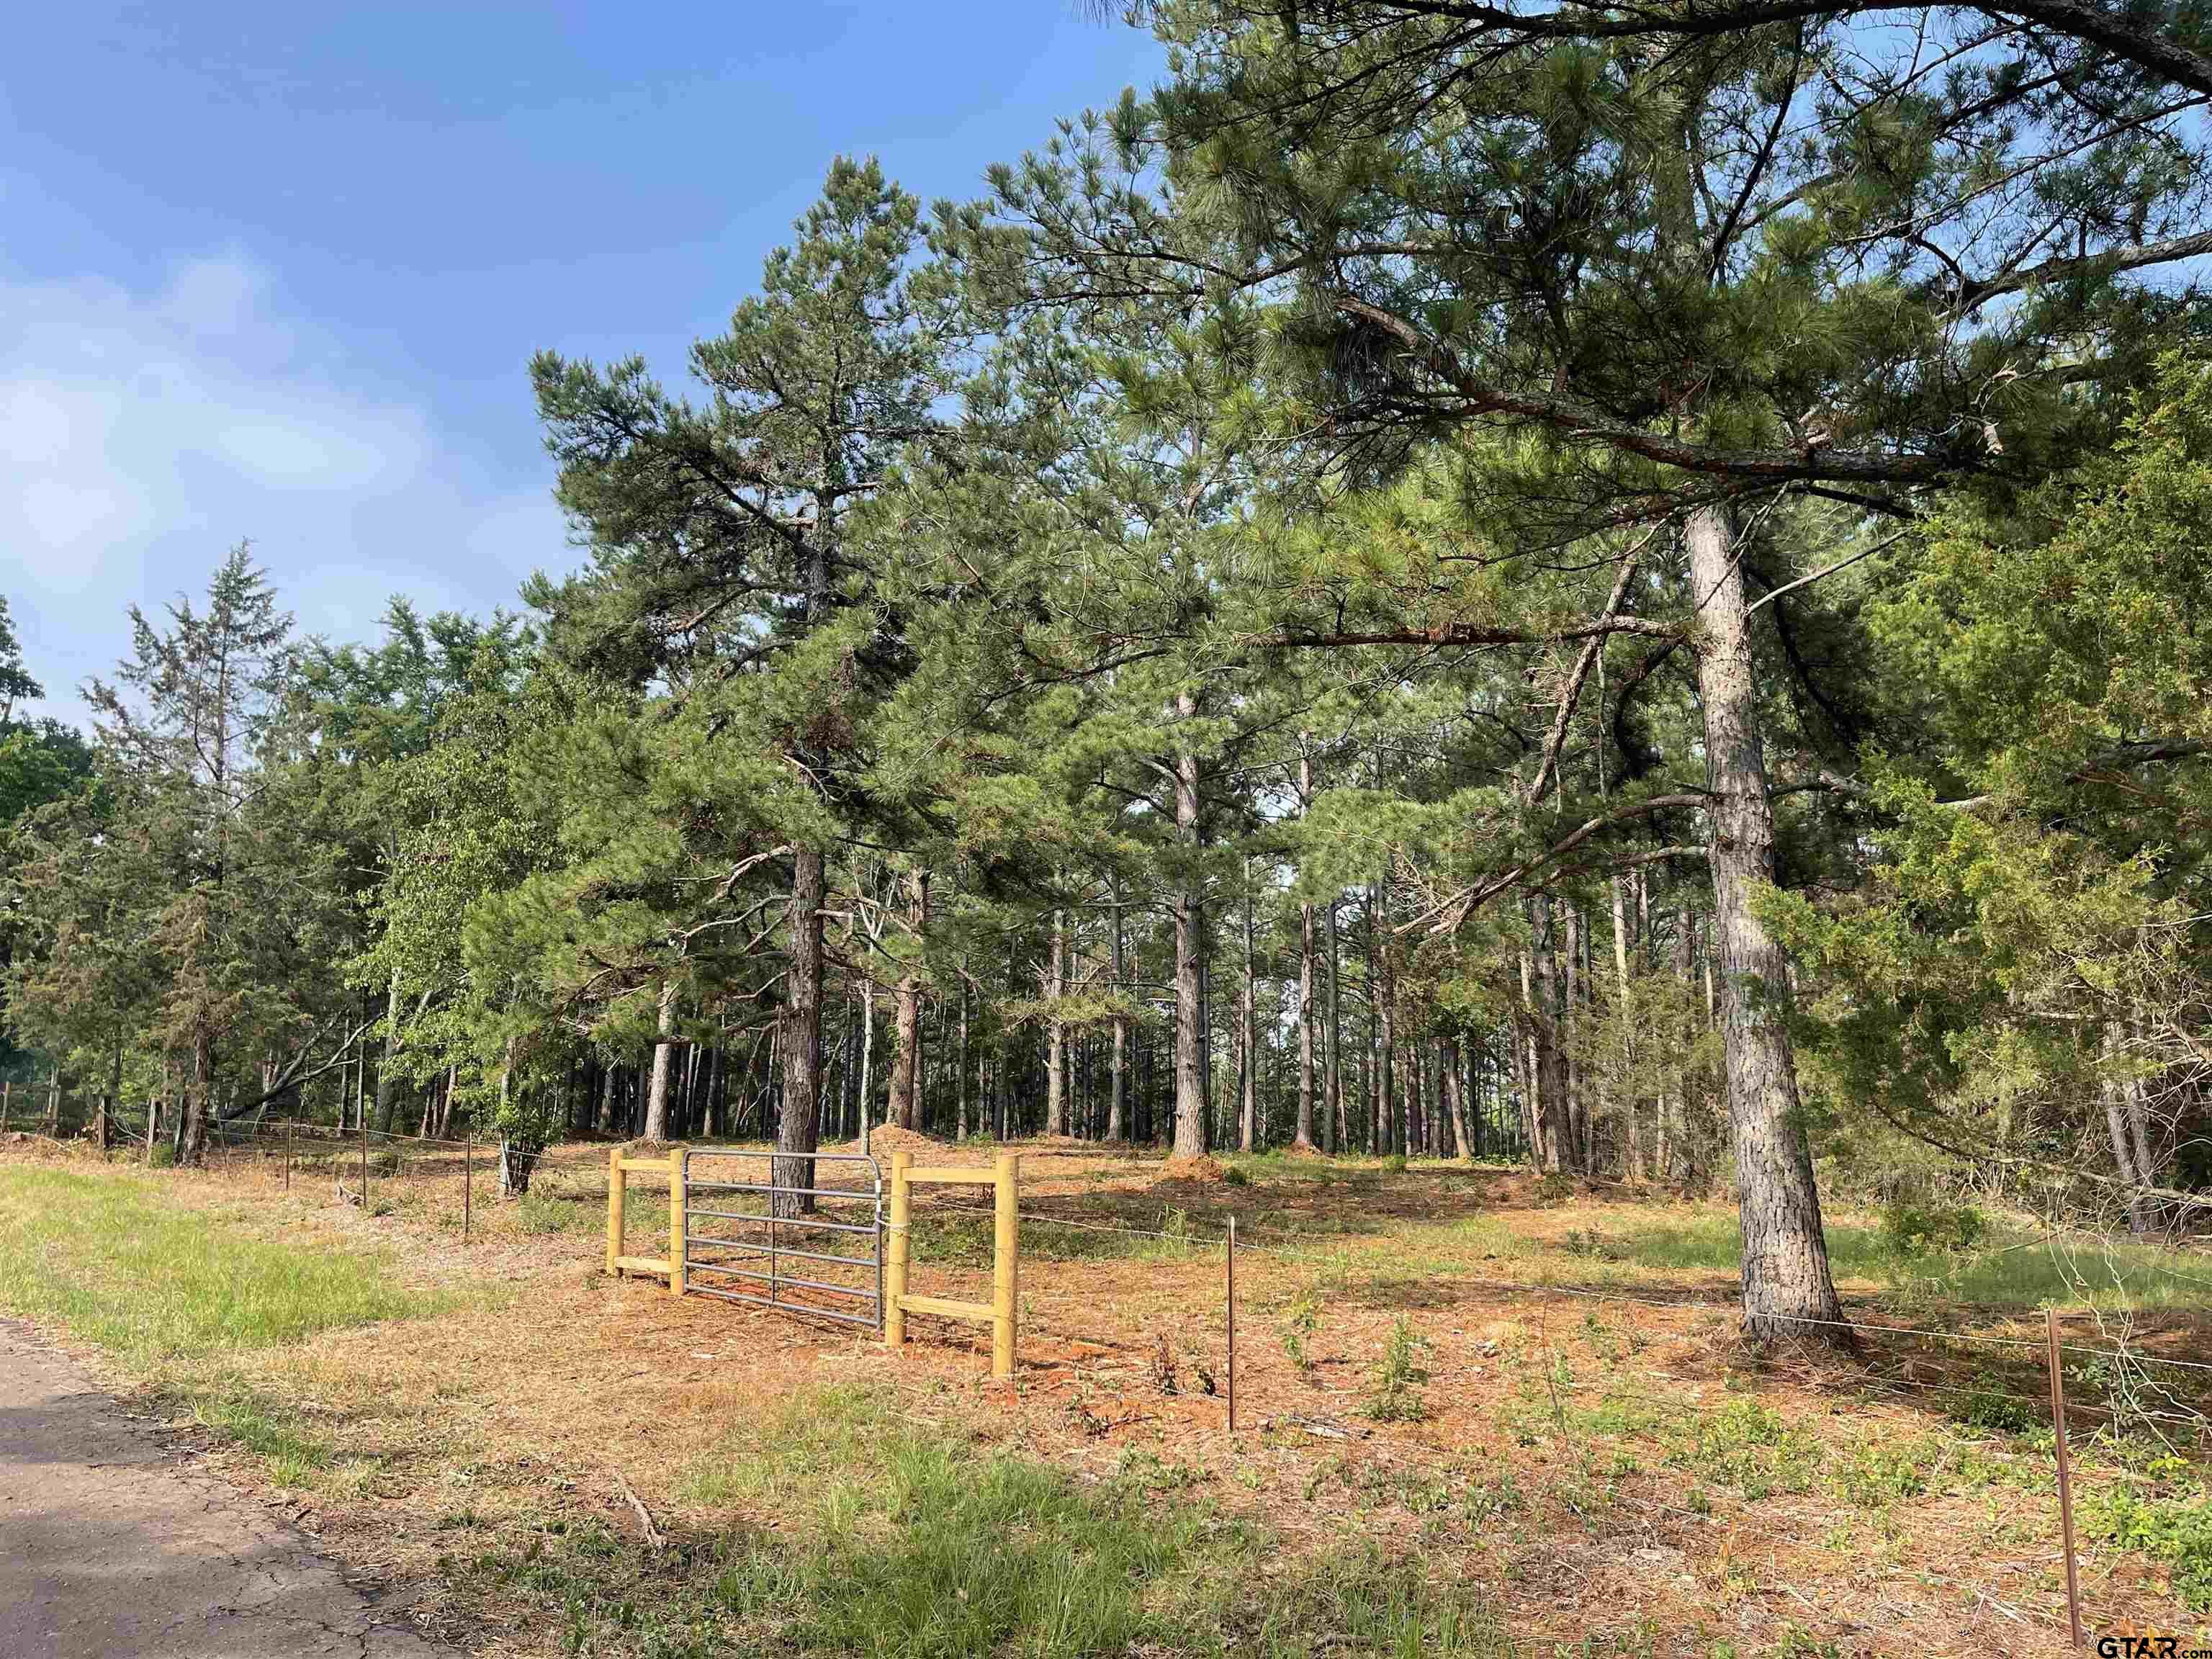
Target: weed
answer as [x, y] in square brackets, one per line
[1300, 1320]
[1488, 1498]
[1749, 1447]
[1987, 1405]
[1397, 1394]
[1797, 1643]
[2171, 1530]
[1874, 1474]
[260, 1426]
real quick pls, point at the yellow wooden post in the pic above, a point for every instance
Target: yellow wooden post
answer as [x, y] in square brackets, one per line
[1006, 1266]
[676, 1225]
[614, 1209]
[895, 1275]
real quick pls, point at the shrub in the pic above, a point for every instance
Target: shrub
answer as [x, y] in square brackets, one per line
[1988, 1406]
[1911, 1230]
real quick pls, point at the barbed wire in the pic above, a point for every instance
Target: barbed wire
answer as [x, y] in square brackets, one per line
[1509, 1287]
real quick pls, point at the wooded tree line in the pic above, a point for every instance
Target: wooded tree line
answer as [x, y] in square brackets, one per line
[1616, 587]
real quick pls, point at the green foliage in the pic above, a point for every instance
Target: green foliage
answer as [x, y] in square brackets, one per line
[2175, 1532]
[1746, 1445]
[1300, 1320]
[1914, 1229]
[1989, 1405]
[1395, 1395]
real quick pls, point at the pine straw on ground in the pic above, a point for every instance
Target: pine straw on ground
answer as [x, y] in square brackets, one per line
[1572, 1452]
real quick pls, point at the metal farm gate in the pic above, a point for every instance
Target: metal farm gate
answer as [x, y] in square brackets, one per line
[738, 1233]
[815, 1246]
[829, 1263]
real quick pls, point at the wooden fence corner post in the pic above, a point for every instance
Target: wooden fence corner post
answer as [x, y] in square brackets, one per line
[1005, 1265]
[676, 1226]
[614, 1209]
[896, 1268]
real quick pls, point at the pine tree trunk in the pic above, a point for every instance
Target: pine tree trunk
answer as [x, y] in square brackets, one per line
[1190, 1049]
[191, 1144]
[1055, 987]
[906, 1068]
[1631, 1107]
[664, 1054]
[2125, 1156]
[1248, 1019]
[1785, 1256]
[385, 1082]
[799, 1034]
[1553, 1114]
[1455, 1100]
[960, 1082]
[1334, 1106]
[1571, 1060]
[1525, 1069]
[1304, 1139]
[1117, 1110]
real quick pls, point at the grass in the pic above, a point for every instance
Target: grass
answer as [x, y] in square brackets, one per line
[127, 1267]
[820, 1501]
[2011, 1270]
[920, 1540]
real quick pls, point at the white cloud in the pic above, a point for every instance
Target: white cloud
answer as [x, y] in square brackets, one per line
[143, 434]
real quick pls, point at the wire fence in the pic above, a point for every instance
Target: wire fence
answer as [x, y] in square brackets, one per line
[1977, 1378]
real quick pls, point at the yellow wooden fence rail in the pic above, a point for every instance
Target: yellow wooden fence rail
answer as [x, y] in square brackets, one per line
[1000, 1311]
[671, 1268]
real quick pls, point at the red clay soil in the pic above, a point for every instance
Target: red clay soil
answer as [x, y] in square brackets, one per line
[1201, 1168]
[885, 1138]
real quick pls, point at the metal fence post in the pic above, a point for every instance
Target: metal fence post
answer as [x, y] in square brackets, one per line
[894, 1286]
[5, 1088]
[1006, 1266]
[364, 1165]
[468, 1174]
[291, 1130]
[614, 1209]
[2065, 1472]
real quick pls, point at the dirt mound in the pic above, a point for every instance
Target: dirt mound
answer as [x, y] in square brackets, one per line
[885, 1139]
[1208, 1169]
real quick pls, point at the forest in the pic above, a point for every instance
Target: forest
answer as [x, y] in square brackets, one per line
[1612, 587]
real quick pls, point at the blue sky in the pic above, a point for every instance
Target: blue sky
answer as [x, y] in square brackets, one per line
[275, 270]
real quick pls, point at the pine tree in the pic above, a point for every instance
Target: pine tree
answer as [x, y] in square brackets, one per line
[723, 561]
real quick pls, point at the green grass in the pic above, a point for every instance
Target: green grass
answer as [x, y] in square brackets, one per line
[2010, 1270]
[914, 1540]
[125, 1267]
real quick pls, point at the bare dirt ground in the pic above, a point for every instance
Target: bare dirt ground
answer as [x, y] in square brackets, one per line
[112, 1543]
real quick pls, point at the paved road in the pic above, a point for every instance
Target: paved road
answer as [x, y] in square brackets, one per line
[112, 1547]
